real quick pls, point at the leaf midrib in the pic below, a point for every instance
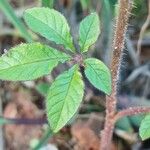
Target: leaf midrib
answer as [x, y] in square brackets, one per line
[97, 74]
[28, 63]
[87, 33]
[51, 29]
[66, 96]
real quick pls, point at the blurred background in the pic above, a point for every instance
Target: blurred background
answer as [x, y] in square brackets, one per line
[23, 123]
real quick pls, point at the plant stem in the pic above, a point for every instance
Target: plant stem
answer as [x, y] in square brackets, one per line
[125, 7]
[44, 139]
[132, 111]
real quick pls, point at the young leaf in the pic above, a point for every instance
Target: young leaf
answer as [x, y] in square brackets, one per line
[144, 130]
[50, 24]
[98, 74]
[89, 31]
[64, 98]
[29, 61]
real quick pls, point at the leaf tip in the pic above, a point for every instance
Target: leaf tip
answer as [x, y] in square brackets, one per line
[143, 137]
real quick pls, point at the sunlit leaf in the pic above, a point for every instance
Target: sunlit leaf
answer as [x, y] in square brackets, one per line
[144, 130]
[89, 31]
[29, 61]
[64, 98]
[50, 24]
[98, 74]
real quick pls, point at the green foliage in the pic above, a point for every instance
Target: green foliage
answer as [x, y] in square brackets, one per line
[144, 130]
[140, 8]
[64, 98]
[9, 12]
[98, 74]
[30, 61]
[124, 124]
[50, 24]
[85, 4]
[47, 3]
[136, 120]
[89, 31]
[42, 88]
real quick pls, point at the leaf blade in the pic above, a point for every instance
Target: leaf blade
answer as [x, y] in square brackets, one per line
[89, 31]
[144, 130]
[64, 98]
[29, 61]
[98, 74]
[124, 124]
[50, 24]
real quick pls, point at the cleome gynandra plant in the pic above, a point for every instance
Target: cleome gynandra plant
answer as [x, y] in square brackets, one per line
[33, 60]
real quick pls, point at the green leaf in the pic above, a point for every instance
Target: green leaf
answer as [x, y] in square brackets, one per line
[85, 4]
[64, 98]
[9, 12]
[43, 88]
[29, 61]
[124, 124]
[144, 130]
[136, 120]
[98, 74]
[47, 3]
[50, 24]
[89, 31]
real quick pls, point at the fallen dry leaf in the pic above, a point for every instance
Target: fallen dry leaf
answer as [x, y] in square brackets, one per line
[86, 134]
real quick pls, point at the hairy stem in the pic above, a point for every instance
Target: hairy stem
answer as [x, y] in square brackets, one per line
[47, 135]
[132, 111]
[125, 7]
